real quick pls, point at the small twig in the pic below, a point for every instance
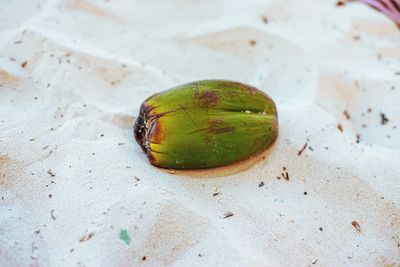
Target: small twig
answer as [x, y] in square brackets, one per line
[228, 214]
[52, 214]
[302, 149]
[347, 114]
[86, 237]
[285, 176]
[216, 191]
[340, 127]
[356, 225]
[384, 119]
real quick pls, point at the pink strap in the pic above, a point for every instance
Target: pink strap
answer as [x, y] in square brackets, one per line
[390, 8]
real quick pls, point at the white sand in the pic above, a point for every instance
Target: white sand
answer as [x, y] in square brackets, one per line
[66, 119]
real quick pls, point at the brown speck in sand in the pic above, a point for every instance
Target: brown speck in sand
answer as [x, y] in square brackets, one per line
[264, 19]
[358, 138]
[369, 110]
[302, 149]
[384, 119]
[340, 127]
[261, 184]
[86, 237]
[144, 258]
[347, 114]
[52, 215]
[52, 174]
[340, 3]
[285, 176]
[356, 225]
[23, 64]
[216, 191]
[252, 42]
[227, 214]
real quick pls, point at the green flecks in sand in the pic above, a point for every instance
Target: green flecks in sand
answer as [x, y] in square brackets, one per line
[124, 236]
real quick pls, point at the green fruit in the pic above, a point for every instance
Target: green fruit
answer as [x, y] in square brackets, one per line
[206, 124]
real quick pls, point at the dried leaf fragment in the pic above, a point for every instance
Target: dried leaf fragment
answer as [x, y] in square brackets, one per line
[356, 225]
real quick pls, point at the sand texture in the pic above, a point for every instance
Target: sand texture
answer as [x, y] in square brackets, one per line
[76, 189]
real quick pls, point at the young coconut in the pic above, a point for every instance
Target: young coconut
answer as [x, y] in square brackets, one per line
[206, 124]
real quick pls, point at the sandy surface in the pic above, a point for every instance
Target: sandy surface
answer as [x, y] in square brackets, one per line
[73, 74]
